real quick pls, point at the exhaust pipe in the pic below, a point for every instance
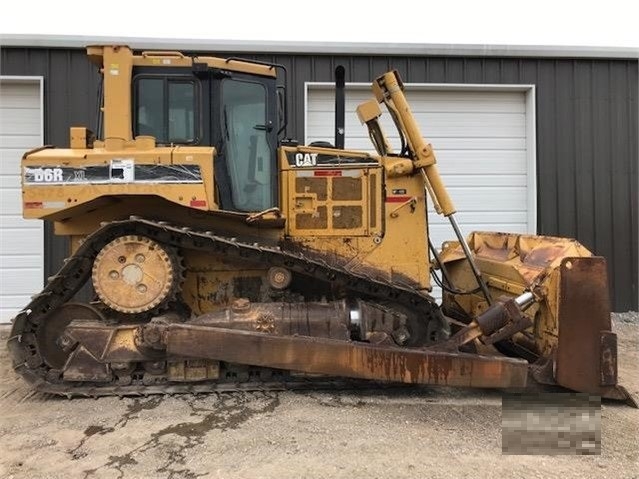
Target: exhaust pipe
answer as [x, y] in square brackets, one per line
[339, 107]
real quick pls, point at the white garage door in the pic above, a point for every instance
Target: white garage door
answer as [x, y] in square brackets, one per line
[483, 138]
[21, 241]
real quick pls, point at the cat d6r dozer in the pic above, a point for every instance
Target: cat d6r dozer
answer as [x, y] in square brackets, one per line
[222, 256]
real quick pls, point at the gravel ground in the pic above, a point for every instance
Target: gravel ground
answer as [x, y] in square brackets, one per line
[399, 433]
[627, 317]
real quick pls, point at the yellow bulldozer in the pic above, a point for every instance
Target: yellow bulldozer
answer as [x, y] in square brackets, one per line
[221, 255]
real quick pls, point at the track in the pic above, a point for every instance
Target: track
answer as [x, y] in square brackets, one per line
[76, 271]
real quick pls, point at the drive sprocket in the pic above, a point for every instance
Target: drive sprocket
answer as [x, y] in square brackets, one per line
[134, 274]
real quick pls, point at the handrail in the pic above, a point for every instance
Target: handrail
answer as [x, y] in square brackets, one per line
[160, 53]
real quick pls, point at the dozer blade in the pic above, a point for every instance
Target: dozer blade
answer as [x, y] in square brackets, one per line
[587, 350]
[570, 339]
[343, 358]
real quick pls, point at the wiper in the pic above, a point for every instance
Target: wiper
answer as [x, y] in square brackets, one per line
[226, 123]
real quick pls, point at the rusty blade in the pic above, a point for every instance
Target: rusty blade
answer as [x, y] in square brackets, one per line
[587, 349]
[608, 358]
[344, 358]
[584, 317]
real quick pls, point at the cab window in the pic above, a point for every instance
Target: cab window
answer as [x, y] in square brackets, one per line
[166, 108]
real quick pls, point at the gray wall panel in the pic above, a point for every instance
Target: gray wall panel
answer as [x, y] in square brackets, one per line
[586, 131]
[70, 81]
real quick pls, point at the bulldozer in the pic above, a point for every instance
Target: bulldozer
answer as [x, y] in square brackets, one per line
[220, 255]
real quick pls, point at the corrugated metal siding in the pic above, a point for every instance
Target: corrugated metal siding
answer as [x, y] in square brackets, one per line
[586, 132]
[70, 98]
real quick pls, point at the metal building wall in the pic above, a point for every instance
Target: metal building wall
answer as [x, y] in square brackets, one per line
[587, 132]
[70, 99]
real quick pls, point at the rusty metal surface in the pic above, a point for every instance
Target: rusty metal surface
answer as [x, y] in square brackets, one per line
[347, 359]
[512, 264]
[83, 366]
[608, 358]
[50, 333]
[496, 317]
[515, 322]
[107, 342]
[509, 260]
[193, 370]
[327, 319]
[500, 321]
[584, 313]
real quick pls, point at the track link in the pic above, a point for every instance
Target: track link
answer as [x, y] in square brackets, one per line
[77, 269]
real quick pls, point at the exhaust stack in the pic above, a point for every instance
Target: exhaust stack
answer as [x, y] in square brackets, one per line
[339, 107]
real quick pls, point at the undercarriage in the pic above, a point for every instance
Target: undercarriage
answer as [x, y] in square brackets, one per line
[139, 337]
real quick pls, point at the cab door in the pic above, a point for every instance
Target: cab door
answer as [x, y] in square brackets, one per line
[247, 144]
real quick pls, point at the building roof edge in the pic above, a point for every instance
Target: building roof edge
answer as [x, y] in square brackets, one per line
[321, 48]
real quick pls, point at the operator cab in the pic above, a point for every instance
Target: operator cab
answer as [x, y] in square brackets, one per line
[235, 112]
